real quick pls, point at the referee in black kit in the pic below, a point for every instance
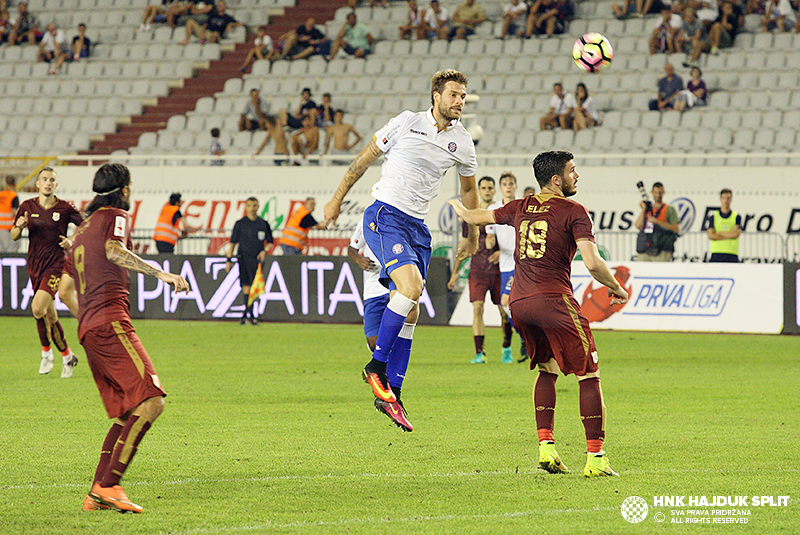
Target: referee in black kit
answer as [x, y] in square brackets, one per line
[254, 237]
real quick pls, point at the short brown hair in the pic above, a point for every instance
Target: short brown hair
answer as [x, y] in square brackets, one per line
[442, 77]
[508, 174]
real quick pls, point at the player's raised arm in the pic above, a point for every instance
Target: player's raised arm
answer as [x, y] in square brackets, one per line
[356, 170]
[599, 270]
[118, 254]
[475, 216]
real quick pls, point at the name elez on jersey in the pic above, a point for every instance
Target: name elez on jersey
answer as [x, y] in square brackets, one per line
[537, 209]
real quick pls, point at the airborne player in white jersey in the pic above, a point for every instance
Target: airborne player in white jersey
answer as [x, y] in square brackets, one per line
[419, 149]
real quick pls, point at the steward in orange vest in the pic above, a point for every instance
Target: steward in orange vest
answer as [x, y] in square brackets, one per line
[295, 233]
[9, 202]
[168, 227]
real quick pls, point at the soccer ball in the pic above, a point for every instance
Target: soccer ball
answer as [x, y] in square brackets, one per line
[592, 52]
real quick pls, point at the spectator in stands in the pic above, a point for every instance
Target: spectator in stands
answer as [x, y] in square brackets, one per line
[306, 41]
[723, 32]
[255, 113]
[216, 147]
[276, 133]
[707, 11]
[466, 18]
[5, 26]
[435, 21]
[354, 37]
[538, 14]
[339, 132]
[156, 13]
[645, 7]
[695, 93]
[177, 9]
[261, 49]
[562, 108]
[325, 112]
[53, 48]
[662, 39]
[306, 107]
[692, 38]
[586, 113]
[414, 23]
[779, 15]
[217, 23]
[514, 15]
[624, 10]
[306, 140]
[81, 45]
[668, 89]
[25, 28]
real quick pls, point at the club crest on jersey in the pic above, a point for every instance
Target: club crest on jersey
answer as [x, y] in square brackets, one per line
[262, 235]
[56, 216]
[452, 146]
[397, 248]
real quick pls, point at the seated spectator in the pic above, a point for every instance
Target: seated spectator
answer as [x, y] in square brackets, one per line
[668, 89]
[196, 10]
[695, 93]
[156, 13]
[325, 112]
[276, 133]
[646, 7]
[216, 147]
[339, 132]
[707, 12]
[435, 21]
[306, 107]
[255, 113]
[306, 41]
[414, 23]
[586, 114]
[354, 37]
[466, 18]
[562, 108]
[81, 45]
[778, 16]
[692, 38]
[662, 39]
[5, 26]
[538, 14]
[261, 49]
[624, 10]
[306, 140]
[514, 15]
[218, 22]
[25, 29]
[53, 48]
[723, 32]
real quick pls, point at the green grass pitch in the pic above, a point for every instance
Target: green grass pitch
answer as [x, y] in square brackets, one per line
[270, 429]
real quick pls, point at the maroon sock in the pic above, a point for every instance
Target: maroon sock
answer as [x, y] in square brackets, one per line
[507, 330]
[58, 338]
[593, 413]
[41, 327]
[544, 399]
[108, 447]
[478, 343]
[124, 450]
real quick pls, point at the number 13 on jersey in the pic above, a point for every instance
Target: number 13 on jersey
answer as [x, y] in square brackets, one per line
[531, 235]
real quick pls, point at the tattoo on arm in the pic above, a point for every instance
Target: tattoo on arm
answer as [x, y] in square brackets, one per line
[119, 255]
[357, 168]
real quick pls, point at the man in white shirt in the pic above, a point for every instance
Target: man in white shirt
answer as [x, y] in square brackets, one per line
[505, 236]
[514, 15]
[562, 106]
[435, 21]
[53, 46]
[419, 149]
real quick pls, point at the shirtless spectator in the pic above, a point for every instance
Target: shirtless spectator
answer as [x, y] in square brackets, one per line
[25, 28]
[255, 113]
[514, 15]
[339, 132]
[275, 132]
[466, 18]
[261, 49]
[414, 24]
[562, 107]
[156, 13]
[306, 140]
[435, 21]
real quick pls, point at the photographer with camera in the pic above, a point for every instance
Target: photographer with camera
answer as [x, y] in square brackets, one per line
[658, 225]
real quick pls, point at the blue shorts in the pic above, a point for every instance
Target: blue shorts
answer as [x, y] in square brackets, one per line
[397, 239]
[506, 280]
[373, 312]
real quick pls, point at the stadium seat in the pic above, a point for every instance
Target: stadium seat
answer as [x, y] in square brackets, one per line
[765, 139]
[166, 140]
[722, 139]
[176, 123]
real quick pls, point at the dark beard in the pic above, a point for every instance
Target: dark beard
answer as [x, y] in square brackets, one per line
[445, 113]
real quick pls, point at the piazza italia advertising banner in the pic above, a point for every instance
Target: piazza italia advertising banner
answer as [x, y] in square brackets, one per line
[688, 297]
[791, 283]
[313, 289]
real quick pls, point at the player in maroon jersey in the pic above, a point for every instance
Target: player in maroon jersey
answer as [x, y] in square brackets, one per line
[549, 229]
[94, 286]
[47, 217]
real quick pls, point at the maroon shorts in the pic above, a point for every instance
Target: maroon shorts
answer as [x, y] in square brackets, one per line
[555, 327]
[480, 283]
[120, 366]
[47, 280]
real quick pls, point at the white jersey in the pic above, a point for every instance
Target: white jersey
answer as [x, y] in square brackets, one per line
[506, 240]
[417, 156]
[372, 286]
